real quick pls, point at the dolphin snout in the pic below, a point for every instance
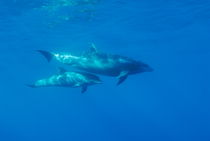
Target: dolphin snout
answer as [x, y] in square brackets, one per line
[99, 82]
[150, 69]
[147, 68]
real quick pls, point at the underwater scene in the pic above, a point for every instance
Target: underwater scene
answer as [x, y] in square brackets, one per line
[105, 70]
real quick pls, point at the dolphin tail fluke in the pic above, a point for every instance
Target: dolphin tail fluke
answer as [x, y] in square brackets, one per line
[46, 54]
[30, 85]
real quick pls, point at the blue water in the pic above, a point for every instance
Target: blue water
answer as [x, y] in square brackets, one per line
[169, 104]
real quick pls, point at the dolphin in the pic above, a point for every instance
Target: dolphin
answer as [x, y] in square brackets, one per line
[68, 79]
[96, 62]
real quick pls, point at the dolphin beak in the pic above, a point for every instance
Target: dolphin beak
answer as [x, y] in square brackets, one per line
[99, 82]
[149, 69]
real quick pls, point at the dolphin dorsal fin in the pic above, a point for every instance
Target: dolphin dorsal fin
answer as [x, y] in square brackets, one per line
[61, 70]
[93, 48]
[92, 51]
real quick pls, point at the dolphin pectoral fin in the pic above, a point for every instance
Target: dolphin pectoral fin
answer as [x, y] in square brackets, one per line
[84, 88]
[46, 54]
[122, 77]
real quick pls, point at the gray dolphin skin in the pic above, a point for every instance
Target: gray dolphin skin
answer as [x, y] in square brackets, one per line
[68, 79]
[100, 63]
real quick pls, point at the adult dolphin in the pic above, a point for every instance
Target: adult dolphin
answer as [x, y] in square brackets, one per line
[100, 63]
[68, 79]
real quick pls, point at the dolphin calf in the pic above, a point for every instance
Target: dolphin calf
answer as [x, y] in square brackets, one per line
[68, 79]
[100, 63]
